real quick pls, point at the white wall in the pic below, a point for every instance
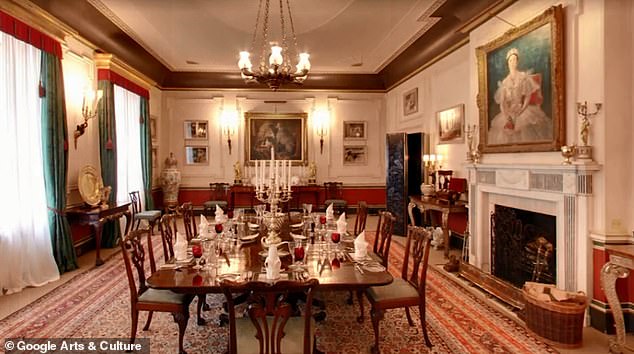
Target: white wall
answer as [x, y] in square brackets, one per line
[179, 106]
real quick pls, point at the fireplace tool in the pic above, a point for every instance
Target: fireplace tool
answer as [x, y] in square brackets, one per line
[544, 250]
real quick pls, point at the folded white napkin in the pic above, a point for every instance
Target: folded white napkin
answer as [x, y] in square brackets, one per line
[202, 227]
[220, 215]
[273, 263]
[330, 212]
[360, 246]
[342, 224]
[180, 248]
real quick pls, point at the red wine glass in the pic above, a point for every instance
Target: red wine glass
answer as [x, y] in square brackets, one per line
[218, 229]
[335, 237]
[299, 252]
[322, 219]
[197, 252]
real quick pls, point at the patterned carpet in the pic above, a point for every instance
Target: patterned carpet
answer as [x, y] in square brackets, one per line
[96, 303]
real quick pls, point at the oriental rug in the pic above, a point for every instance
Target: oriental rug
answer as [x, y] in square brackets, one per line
[96, 304]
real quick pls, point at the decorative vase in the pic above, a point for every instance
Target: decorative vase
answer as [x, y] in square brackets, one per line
[170, 181]
[428, 190]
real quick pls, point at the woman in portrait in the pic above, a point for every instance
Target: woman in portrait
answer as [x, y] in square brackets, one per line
[520, 119]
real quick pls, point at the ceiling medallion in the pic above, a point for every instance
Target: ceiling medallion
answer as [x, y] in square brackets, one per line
[279, 70]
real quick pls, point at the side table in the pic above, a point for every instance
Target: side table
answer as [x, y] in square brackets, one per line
[619, 265]
[97, 216]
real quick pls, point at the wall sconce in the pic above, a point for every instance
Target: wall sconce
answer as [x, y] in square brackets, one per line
[88, 111]
[433, 163]
[320, 124]
[228, 124]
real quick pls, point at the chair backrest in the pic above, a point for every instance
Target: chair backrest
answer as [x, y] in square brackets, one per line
[417, 247]
[333, 190]
[219, 191]
[269, 300]
[383, 239]
[187, 209]
[168, 235]
[134, 256]
[136, 202]
[443, 178]
[362, 216]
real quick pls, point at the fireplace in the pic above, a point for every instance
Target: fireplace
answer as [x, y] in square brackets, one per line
[560, 195]
[523, 246]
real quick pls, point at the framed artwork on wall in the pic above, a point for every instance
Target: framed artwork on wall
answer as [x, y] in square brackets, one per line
[521, 87]
[451, 125]
[195, 129]
[354, 130]
[284, 132]
[153, 131]
[355, 155]
[196, 155]
[410, 101]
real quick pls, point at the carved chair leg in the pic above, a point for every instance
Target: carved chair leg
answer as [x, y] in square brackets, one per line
[376, 315]
[135, 321]
[199, 318]
[421, 311]
[181, 318]
[350, 299]
[361, 312]
[149, 320]
[409, 317]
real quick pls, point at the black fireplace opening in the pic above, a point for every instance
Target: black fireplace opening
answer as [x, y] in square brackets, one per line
[523, 246]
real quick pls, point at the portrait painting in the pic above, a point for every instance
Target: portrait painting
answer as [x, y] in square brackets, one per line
[521, 87]
[196, 129]
[354, 130]
[196, 155]
[410, 102]
[355, 155]
[284, 132]
[451, 125]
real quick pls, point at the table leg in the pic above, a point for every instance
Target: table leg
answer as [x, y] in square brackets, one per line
[98, 227]
[410, 208]
[128, 221]
[445, 231]
[609, 273]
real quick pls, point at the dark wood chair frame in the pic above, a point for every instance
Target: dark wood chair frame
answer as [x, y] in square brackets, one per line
[381, 247]
[334, 190]
[187, 210]
[270, 299]
[417, 247]
[362, 217]
[136, 208]
[134, 256]
[219, 191]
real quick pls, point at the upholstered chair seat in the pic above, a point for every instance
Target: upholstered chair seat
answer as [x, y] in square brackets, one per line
[292, 342]
[399, 289]
[162, 296]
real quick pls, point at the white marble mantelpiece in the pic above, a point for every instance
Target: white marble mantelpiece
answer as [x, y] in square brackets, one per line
[564, 191]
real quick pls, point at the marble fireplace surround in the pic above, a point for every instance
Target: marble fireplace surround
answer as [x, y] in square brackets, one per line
[564, 191]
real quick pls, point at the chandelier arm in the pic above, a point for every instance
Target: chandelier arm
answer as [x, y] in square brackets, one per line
[290, 17]
[255, 30]
[265, 36]
[285, 60]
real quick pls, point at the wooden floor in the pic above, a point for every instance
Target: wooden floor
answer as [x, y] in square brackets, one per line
[593, 340]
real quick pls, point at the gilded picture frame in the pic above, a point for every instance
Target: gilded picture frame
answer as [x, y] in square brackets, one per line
[410, 102]
[285, 132]
[355, 155]
[451, 125]
[195, 130]
[521, 87]
[197, 155]
[355, 130]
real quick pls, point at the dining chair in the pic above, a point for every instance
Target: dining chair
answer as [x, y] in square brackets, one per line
[143, 298]
[269, 327]
[405, 291]
[151, 216]
[187, 209]
[219, 196]
[168, 237]
[381, 248]
[334, 195]
[362, 217]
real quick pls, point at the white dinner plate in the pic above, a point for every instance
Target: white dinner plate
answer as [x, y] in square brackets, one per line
[249, 237]
[297, 226]
[280, 253]
[253, 226]
[298, 237]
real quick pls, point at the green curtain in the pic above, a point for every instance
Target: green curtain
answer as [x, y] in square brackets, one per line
[146, 153]
[55, 159]
[108, 156]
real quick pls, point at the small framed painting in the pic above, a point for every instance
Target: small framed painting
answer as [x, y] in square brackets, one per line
[355, 155]
[451, 125]
[196, 129]
[153, 131]
[196, 155]
[410, 102]
[354, 130]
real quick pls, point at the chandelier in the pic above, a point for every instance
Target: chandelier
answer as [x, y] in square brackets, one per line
[279, 70]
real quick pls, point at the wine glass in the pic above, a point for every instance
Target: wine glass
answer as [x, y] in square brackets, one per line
[298, 252]
[335, 237]
[197, 252]
[218, 229]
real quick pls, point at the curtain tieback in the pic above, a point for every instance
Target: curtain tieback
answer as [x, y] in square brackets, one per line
[56, 211]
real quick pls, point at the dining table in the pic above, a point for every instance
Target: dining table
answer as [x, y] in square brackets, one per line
[334, 265]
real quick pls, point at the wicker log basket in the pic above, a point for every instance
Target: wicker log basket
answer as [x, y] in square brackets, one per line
[555, 315]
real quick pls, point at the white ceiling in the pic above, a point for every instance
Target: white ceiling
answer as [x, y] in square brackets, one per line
[336, 33]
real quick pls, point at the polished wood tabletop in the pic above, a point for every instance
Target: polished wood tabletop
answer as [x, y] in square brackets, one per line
[334, 270]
